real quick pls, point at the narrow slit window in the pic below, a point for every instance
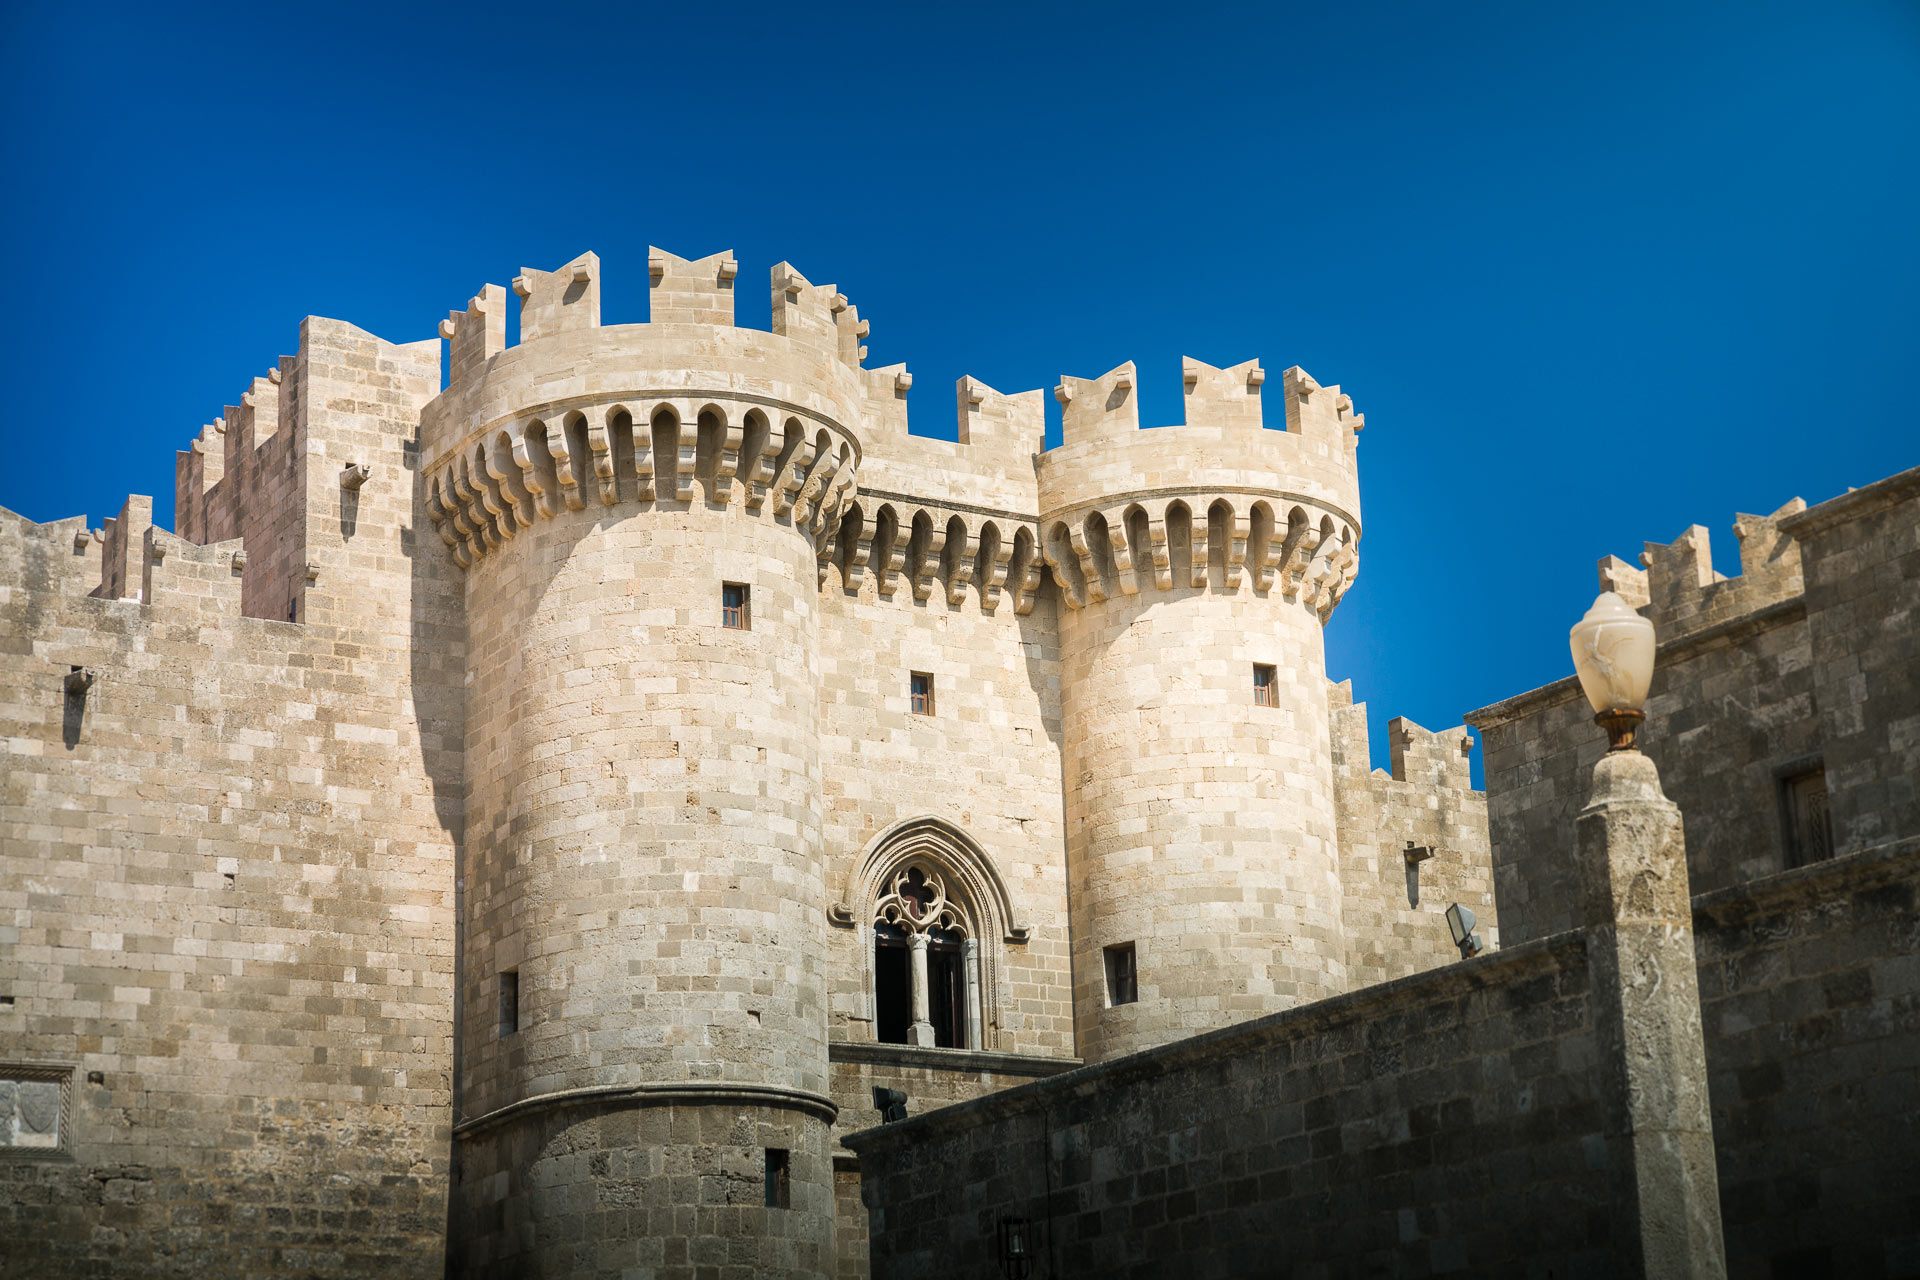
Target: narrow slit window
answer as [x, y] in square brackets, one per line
[735, 615]
[779, 1179]
[920, 690]
[509, 1002]
[1123, 985]
[1266, 690]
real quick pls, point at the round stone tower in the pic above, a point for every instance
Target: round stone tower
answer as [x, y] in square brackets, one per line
[1197, 566]
[643, 1063]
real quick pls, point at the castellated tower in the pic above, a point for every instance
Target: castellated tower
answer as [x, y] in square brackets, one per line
[1198, 564]
[526, 819]
[644, 848]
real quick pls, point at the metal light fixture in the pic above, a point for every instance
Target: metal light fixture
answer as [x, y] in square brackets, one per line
[892, 1104]
[1460, 924]
[1613, 654]
[1016, 1248]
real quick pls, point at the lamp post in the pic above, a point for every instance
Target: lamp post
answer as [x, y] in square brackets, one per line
[1638, 916]
[1613, 655]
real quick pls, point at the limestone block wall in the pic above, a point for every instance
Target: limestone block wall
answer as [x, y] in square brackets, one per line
[1755, 682]
[1810, 1001]
[1861, 553]
[1200, 826]
[226, 885]
[986, 762]
[1393, 908]
[1449, 1122]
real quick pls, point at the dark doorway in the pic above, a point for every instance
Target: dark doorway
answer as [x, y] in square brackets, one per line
[892, 984]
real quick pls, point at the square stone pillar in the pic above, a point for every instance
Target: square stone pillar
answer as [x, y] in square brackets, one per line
[1639, 923]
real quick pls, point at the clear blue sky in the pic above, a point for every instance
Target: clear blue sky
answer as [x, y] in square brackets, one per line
[1592, 274]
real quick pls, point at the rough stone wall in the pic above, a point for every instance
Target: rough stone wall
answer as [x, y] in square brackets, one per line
[226, 883]
[931, 1078]
[1810, 996]
[607, 1191]
[1862, 565]
[1445, 1123]
[1753, 681]
[1393, 908]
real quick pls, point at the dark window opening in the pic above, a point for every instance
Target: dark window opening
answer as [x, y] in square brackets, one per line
[1808, 820]
[947, 990]
[734, 614]
[1123, 986]
[1266, 692]
[509, 1002]
[779, 1182]
[920, 688]
[892, 984]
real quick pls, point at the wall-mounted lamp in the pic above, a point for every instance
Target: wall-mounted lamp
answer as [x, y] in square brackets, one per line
[78, 681]
[1460, 924]
[1613, 654]
[891, 1102]
[354, 474]
[1016, 1248]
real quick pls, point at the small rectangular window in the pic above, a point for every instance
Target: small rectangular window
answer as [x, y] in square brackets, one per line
[1809, 824]
[1266, 691]
[779, 1182]
[509, 1002]
[1123, 986]
[734, 613]
[920, 687]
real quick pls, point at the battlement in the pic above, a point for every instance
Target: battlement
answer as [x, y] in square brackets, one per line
[1677, 587]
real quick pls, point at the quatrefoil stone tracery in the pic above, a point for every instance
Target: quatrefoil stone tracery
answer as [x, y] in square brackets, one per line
[916, 900]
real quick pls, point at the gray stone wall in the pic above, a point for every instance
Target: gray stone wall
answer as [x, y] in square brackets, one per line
[1756, 680]
[1862, 565]
[1445, 1123]
[1810, 996]
[674, 1190]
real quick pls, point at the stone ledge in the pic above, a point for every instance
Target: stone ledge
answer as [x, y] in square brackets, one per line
[691, 1093]
[1817, 884]
[966, 1061]
[1854, 504]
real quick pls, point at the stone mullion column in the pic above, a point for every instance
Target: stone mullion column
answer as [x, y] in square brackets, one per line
[976, 1030]
[1639, 924]
[921, 1032]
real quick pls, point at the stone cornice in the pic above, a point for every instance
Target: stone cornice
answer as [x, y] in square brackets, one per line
[691, 1093]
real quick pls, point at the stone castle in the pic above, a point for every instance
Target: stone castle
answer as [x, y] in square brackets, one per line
[513, 825]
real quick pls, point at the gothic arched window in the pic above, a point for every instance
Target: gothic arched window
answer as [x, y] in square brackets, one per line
[933, 914]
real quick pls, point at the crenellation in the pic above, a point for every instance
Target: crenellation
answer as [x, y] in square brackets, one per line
[689, 292]
[616, 616]
[1679, 589]
[556, 302]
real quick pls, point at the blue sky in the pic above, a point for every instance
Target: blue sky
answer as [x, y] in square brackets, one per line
[1592, 275]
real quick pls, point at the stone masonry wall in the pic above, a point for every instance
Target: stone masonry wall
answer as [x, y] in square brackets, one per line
[226, 888]
[1862, 566]
[1754, 681]
[1810, 1001]
[1394, 908]
[1447, 1123]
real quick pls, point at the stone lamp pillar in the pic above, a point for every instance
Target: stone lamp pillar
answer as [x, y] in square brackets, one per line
[1638, 914]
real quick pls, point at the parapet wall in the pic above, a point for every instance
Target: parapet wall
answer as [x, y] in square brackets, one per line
[1803, 665]
[1413, 841]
